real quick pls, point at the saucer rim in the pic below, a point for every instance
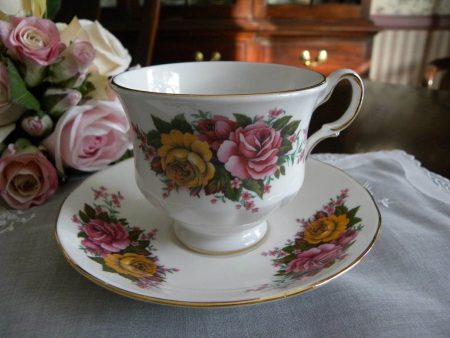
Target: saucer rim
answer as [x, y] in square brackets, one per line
[209, 304]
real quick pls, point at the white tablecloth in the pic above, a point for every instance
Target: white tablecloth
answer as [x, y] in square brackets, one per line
[401, 289]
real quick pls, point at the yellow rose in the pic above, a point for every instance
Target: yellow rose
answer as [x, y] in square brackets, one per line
[185, 159]
[131, 264]
[325, 229]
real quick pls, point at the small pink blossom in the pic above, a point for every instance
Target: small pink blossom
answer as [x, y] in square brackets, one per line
[238, 206]
[213, 201]
[249, 205]
[276, 112]
[75, 219]
[246, 195]
[267, 188]
[236, 183]
[292, 138]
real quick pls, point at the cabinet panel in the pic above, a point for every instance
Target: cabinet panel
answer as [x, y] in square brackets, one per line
[188, 48]
[341, 53]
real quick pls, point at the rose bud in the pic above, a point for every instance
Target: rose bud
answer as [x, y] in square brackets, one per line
[74, 60]
[56, 101]
[37, 126]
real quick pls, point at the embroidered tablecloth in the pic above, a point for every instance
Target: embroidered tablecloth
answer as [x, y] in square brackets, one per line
[401, 289]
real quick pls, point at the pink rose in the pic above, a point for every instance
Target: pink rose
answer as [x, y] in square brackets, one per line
[316, 258]
[215, 130]
[251, 152]
[26, 179]
[90, 136]
[31, 39]
[103, 237]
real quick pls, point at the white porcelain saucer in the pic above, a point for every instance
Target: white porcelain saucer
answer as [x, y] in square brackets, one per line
[110, 234]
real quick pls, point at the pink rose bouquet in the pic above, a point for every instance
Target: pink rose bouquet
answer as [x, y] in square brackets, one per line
[57, 113]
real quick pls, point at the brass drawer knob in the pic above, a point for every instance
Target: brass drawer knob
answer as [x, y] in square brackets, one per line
[215, 56]
[321, 58]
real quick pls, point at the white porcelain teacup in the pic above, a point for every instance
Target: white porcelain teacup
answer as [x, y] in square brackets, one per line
[220, 145]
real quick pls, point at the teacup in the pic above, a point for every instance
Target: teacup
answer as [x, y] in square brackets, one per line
[220, 145]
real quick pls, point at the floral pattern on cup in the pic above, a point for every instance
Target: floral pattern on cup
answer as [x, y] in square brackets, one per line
[323, 240]
[228, 159]
[117, 246]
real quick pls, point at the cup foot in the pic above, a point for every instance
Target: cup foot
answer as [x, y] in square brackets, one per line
[223, 244]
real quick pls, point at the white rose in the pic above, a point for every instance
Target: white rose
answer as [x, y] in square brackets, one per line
[111, 57]
[24, 7]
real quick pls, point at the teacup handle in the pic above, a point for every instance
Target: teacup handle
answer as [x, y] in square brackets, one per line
[333, 129]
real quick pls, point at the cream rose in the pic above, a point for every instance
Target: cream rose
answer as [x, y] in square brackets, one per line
[111, 57]
[24, 7]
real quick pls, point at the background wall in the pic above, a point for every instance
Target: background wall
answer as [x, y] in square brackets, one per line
[414, 33]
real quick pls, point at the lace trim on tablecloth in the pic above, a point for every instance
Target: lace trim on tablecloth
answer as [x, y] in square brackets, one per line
[415, 174]
[10, 218]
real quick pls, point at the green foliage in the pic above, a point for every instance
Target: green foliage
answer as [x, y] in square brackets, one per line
[281, 122]
[179, 122]
[290, 128]
[154, 138]
[242, 120]
[18, 90]
[53, 7]
[161, 126]
[257, 186]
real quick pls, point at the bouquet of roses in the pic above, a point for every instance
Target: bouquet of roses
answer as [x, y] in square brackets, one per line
[57, 112]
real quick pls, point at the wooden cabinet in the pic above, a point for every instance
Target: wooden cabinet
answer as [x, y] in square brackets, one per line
[323, 37]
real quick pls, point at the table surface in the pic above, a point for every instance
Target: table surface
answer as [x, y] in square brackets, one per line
[400, 289]
[414, 119]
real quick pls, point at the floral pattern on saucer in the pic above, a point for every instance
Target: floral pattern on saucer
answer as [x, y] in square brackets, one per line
[322, 241]
[228, 159]
[117, 246]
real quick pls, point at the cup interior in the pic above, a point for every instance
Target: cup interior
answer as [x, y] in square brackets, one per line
[218, 78]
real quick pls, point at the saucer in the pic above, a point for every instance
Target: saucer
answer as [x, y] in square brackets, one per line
[111, 235]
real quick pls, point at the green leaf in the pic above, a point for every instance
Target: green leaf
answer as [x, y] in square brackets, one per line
[256, 186]
[282, 170]
[286, 146]
[143, 244]
[281, 160]
[219, 181]
[85, 218]
[103, 216]
[134, 235]
[280, 123]
[290, 128]
[53, 7]
[154, 138]
[179, 122]
[277, 174]
[287, 259]
[161, 126]
[352, 213]
[242, 120]
[97, 259]
[353, 221]
[82, 234]
[89, 211]
[18, 90]
[232, 194]
[340, 210]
